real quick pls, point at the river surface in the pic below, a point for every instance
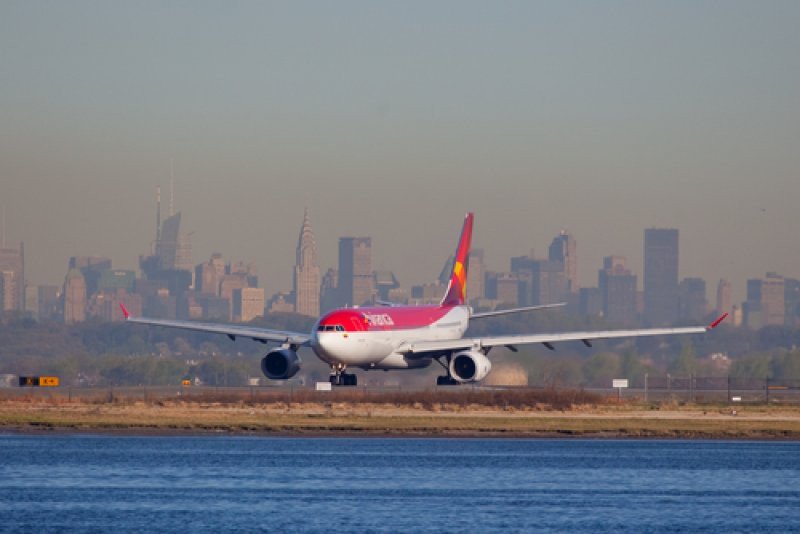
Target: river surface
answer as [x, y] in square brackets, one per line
[182, 483]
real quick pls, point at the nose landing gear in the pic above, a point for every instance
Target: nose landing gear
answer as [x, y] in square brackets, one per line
[340, 378]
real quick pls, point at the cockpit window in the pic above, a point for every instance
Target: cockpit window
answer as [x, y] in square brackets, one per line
[330, 328]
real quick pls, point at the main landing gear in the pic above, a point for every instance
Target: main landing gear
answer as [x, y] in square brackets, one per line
[340, 378]
[447, 379]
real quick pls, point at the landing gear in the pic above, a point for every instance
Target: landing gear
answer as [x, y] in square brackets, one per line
[340, 378]
[446, 380]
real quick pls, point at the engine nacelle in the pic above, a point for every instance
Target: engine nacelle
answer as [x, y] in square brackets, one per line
[469, 366]
[280, 364]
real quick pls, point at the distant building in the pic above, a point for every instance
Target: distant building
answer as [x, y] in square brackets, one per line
[590, 301]
[228, 284]
[765, 303]
[504, 288]
[427, 293]
[617, 287]
[661, 276]
[329, 290]
[207, 275]
[173, 248]
[791, 299]
[692, 302]
[542, 281]
[476, 275]
[563, 250]
[75, 299]
[105, 304]
[723, 297]
[12, 279]
[248, 303]
[385, 283]
[306, 282]
[280, 303]
[356, 281]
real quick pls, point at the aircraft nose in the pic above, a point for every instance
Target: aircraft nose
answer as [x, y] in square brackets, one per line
[325, 342]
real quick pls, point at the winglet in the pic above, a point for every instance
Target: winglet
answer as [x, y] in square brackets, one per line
[716, 323]
[124, 310]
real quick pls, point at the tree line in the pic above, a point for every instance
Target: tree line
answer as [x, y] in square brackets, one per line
[100, 353]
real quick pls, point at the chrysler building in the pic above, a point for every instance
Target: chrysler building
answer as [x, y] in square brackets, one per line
[306, 272]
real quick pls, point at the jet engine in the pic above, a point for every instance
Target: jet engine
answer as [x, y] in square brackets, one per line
[469, 366]
[280, 364]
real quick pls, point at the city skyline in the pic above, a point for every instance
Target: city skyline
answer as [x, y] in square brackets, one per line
[394, 120]
[738, 289]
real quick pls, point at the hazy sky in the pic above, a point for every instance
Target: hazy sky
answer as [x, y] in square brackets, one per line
[393, 119]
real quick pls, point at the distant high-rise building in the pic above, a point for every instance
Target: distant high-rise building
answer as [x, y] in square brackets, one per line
[207, 275]
[306, 286]
[765, 303]
[329, 290]
[543, 281]
[385, 283]
[12, 283]
[723, 297]
[248, 303]
[590, 301]
[692, 299]
[661, 276]
[41, 302]
[227, 285]
[563, 250]
[476, 275]
[791, 298]
[75, 298]
[617, 286]
[173, 249]
[92, 268]
[507, 288]
[356, 281]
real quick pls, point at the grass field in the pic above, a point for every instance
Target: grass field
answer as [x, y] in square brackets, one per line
[449, 416]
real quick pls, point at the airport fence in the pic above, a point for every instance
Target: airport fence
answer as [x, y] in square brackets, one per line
[686, 389]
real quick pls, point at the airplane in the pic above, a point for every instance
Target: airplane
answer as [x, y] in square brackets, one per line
[404, 337]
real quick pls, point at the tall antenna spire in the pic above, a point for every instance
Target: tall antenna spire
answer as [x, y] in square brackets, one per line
[158, 213]
[171, 187]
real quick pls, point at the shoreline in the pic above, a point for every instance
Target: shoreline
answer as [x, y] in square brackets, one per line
[627, 421]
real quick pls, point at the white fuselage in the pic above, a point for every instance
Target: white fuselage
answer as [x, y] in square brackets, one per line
[377, 348]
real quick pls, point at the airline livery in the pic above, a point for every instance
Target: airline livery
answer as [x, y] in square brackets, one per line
[404, 337]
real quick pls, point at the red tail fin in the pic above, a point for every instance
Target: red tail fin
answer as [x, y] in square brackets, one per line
[457, 288]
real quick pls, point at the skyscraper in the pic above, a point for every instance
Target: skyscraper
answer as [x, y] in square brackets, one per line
[356, 281]
[617, 291]
[544, 281]
[692, 299]
[476, 275]
[765, 303]
[74, 297]
[563, 250]
[661, 276]
[723, 297]
[12, 279]
[306, 272]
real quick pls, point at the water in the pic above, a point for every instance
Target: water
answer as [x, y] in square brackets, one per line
[100, 483]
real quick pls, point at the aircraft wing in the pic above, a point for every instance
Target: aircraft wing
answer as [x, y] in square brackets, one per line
[232, 331]
[478, 343]
[494, 313]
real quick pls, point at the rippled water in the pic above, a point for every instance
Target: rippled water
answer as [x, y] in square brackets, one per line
[80, 482]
